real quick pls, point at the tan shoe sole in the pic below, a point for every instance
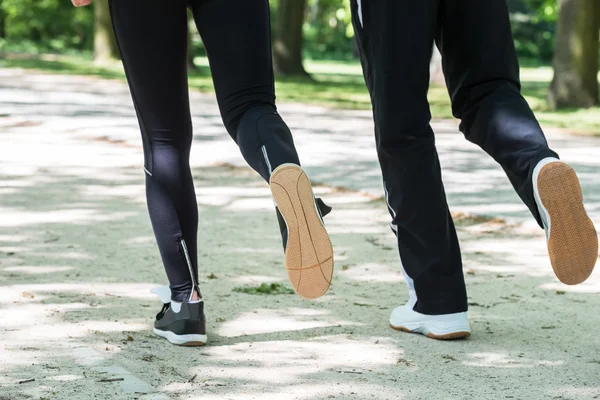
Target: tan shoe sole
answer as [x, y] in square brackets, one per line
[449, 336]
[308, 254]
[573, 241]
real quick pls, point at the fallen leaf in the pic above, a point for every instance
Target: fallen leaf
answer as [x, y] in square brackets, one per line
[448, 357]
[408, 363]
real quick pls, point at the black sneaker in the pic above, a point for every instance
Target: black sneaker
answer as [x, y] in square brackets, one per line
[322, 208]
[184, 328]
[308, 250]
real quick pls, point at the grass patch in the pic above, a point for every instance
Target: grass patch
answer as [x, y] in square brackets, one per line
[464, 219]
[265, 289]
[333, 84]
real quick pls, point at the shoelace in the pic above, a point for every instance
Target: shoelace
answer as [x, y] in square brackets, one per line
[162, 312]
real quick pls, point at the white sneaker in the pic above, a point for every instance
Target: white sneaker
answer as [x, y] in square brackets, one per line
[441, 327]
[572, 238]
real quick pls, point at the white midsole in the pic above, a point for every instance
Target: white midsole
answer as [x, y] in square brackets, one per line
[432, 328]
[180, 339]
[406, 318]
[536, 193]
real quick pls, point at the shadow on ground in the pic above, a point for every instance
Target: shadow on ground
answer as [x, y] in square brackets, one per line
[77, 260]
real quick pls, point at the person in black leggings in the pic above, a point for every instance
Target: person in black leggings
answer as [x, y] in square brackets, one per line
[152, 38]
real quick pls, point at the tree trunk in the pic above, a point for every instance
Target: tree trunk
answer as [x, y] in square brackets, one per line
[2, 22]
[575, 82]
[105, 43]
[436, 71]
[190, 39]
[287, 47]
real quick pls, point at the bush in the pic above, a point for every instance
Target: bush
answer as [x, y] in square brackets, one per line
[533, 25]
[328, 32]
[45, 25]
[56, 26]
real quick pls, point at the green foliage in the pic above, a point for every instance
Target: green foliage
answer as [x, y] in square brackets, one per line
[45, 25]
[545, 10]
[265, 288]
[337, 84]
[56, 26]
[328, 30]
[533, 24]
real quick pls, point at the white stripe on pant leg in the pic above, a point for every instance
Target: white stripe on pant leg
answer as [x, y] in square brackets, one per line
[409, 281]
[412, 294]
[266, 156]
[387, 201]
[360, 14]
[189, 263]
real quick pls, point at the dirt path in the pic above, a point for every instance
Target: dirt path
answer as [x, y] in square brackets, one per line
[77, 261]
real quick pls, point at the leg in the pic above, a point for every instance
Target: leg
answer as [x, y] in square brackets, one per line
[237, 38]
[236, 34]
[152, 39]
[395, 41]
[482, 73]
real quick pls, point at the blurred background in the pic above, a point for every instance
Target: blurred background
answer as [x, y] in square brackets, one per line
[78, 257]
[316, 58]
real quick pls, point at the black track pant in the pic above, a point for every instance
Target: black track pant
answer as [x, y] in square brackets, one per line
[396, 38]
[152, 37]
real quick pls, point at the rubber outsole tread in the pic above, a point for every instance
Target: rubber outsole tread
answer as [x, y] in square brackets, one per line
[573, 241]
[309, 254]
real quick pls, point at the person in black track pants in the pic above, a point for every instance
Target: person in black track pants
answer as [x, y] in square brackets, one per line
[152, 38]
[395, 40]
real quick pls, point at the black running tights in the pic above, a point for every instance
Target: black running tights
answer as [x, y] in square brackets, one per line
[152, 37]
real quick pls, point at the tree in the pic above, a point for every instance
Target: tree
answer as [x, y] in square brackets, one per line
[287, 47]
[2, 22]
[105, 43]
[575, 82]
[190, 38]
[48, 25]
[435, 68]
